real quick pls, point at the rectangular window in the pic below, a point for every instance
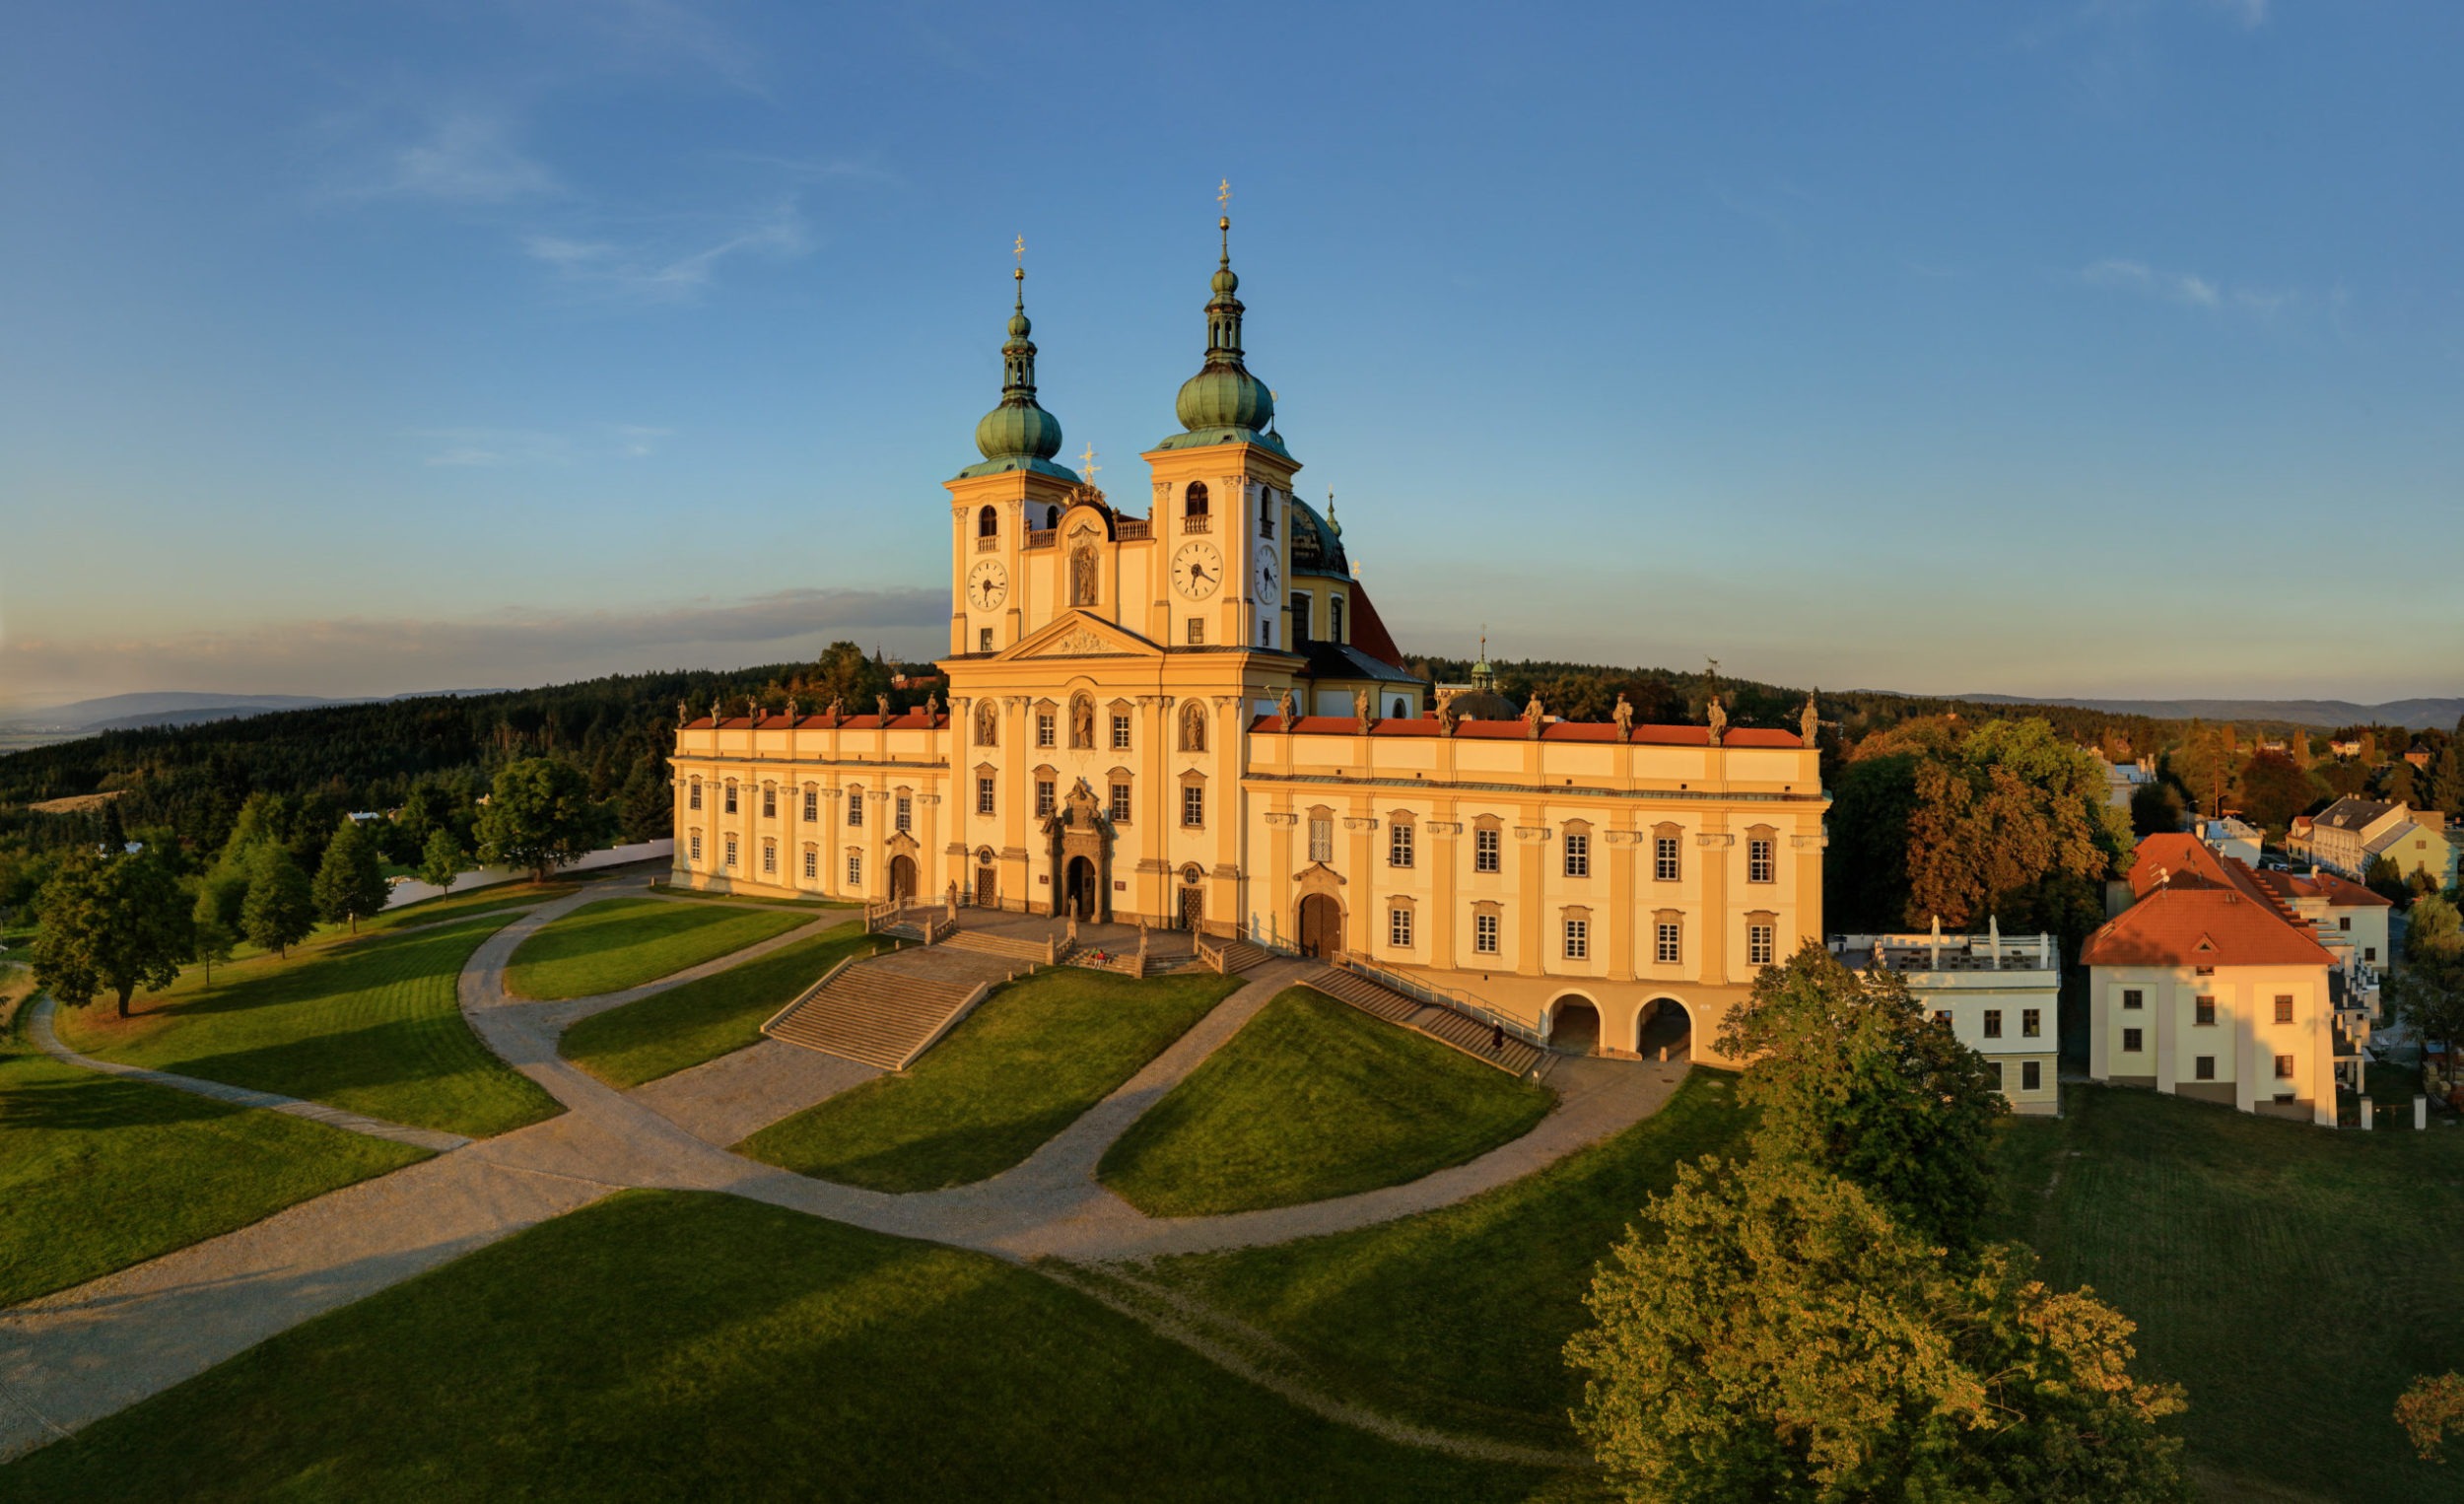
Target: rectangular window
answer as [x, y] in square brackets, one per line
[2031, 1075]
[2343, 922]
[1485, 849]
[1664, 867]
[854, 870]
[770, 858]
[1193, 805]
[2202, 1068]
[1119, 803]
[1120, 734]
[1759, 865]
[2206, 1013]
[1043, 728]
[2132, 1041]
[732, 850]
[905, 819]
[1996, 1068]
[1578, 939]
[2370, 953]
[1485, 933]
[1663, 944]
[1197, 632]
[1266, 633]
[1759, 945]
[983, 639]
[731, 798]
[855, 807]
[695, 800]
[1398, 844]
[1320, 839]
[813, 803]
[1943, 1016]
[1043, 797]
[2133, 997]
[2283, 1007]
[1300, 618]
[983, 796]
[1578, 854]
[2032, 1023]
[696, 843]
[1398, 927]
[812, 867]
[2284, 1067]
[769, 802]
[1335, 618]
[1993, 1023]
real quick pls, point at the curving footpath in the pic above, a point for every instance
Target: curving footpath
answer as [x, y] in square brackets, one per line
[70, 1358]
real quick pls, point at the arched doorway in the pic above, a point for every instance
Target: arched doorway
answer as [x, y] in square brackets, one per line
[902, 879]
[1321, 926]
[1664, 1024]
[1081, 887]
[1574, 1026]
[988, 880]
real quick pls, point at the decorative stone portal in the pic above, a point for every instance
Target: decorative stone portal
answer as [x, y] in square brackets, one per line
[903, 879]
[1320, 926]
[1080, 838]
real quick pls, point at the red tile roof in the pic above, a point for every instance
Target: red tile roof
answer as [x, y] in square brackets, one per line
[1516, 730]
[2327, 885]
[1369, 632]
[2195, 907]
[903, 721]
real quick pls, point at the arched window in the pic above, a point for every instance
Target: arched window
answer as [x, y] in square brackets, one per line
[1194, 726]
[988, 725]
[1265, 511]
[988, 524]
[1335, 618]
[1403, 710]
[1052, 517]
[1193, 501]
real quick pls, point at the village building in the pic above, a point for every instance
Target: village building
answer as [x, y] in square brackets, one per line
[2001, 996]
[2349, 835]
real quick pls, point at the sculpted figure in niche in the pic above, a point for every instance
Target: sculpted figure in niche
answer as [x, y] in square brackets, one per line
[1717, 716]
[1083, 575]
[1625, 717]
[1194, 726]
[1081, 722]
[988, 725]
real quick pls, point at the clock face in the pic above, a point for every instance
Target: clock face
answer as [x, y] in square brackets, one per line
[988, 584]
[1270, 579]
[1197, 570]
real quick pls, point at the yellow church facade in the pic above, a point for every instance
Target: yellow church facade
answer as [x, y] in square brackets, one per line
[1196, 719]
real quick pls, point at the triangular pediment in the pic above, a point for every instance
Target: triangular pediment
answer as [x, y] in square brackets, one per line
[1080, 635]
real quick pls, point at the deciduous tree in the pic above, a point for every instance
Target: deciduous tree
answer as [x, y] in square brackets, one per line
[2011, 806]
[539, 816]
[280, 910]
[1766, 1331]
[351, 880]
[2429, 1411]
[109, 924]
[442, 861]
[2274, 791]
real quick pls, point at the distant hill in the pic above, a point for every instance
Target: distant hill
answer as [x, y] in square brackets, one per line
[2414, 715]
[175, 708]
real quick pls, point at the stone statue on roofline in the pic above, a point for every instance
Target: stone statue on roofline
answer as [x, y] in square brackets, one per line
[684, 713]
[790, 710]
[1810, 723]
[714, 710]
[1447, 715]
[838, 710]
[752, 709]
[1718, 718]
[1285, 708]
[881, 708]
[932, 706]
[1363, 710]
[1532, 716]
[1624, 716]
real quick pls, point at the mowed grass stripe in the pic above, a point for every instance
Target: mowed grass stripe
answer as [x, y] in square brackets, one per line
[371, 1025]
[705, 1019]
[459, 906]
[97, 1173]
[1022, 1066]
[674, 1345]
[622, 942]
[1315, 1099]
[1458, 1318]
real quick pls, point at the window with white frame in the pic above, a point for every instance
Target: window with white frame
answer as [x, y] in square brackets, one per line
[1398, 927]
[731, 798]
[694, 798]
[1194, 806]
[813, 803]
[1398, 844]
[770, 858]
[812, 865]
[2032, 1023]
[2132, 1040]
[1320, 838]
[1043, 797]
[855, 807]
[1758, 944]
[1578, 853]
[1485, 849]
[1044, 729]
[770, 801]
[2284, 1067]
[983, 639]
[732, 850]
[2031, 1075]
[904, 816]
[1578, 939]
[855, 869]
[1120, 732]
[983, 796]
[1197, 632]
[1665, 949]
[1119, 810]
[694, 845]
[1485, 933]
[1759, 865]
[1664, 859]
[1335, 618]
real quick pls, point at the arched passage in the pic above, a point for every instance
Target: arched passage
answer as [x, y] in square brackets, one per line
[1664, 1023]
[1574, 1025]
[1081, 880]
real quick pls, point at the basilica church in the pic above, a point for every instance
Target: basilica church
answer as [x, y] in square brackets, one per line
[1196, 719]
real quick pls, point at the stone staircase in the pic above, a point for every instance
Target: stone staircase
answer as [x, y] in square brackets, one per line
[1008, 947]
[1454, 1030]
[887, 1009]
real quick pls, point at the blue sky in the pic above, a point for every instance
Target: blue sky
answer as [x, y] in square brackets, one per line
[2038, 348]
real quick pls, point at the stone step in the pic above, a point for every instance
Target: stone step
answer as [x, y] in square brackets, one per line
[1457, 1031]
[1009, 946]
[1240, 955]
[886, 1010]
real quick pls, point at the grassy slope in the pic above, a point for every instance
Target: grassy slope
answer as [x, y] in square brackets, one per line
[1022, 1068]
[701, 895]
[2293, 1280]
[370, 1025]
[621, 942]
[703, 1020]
[1315, 1099]
[454, 906]
[1457, 1316]
[665, 1345]
[97, 1173]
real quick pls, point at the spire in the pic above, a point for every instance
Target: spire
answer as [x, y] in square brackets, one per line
[1223, 403]
[1018, 435]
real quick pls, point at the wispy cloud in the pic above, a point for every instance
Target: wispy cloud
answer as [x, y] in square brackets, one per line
[2188, 288]
[2250, 12]
[672, 267]
[461, 157]
[493, 448]
[652, 36]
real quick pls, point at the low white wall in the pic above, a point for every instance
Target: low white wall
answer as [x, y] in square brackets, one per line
[411, 890]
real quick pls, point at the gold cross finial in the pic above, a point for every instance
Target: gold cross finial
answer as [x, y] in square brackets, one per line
[1021, 250]
[1087, 465]
[1223, 194]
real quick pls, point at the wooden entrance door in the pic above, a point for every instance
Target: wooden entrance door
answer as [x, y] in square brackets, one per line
[987, 886]
[1321, 927]
[903, 879]
[1193, 907]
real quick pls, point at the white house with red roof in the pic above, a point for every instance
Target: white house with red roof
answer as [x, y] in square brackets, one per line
[2210, 985]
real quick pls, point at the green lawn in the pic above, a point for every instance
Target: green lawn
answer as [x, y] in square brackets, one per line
[672, 1345]
[670, 890]
[1458, 1317]
[621, 942]
[2293, 1280]
[369, 1024]
[1315, 1099]
[703, 1020]
[454, 906]
[97, 1173]
[1022, 1066]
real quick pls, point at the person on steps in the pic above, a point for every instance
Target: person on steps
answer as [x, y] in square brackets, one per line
[1496, 1038]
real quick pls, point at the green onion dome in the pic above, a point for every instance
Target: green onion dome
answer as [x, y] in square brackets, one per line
[1018, 435]
[1223, 403]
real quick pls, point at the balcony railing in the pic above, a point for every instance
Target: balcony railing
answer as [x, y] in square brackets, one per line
[1197, 525]
[1131, 529]
[1042, 538]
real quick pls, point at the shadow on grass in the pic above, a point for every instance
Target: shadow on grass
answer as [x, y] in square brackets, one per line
[93, 1101]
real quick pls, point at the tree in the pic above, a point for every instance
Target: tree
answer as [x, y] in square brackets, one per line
[648, 802]
[2433, 929]
[2007, 808]
[2431, 1407]
[109, 924]
[351, 880]
[215, 934]
[2154, 809]
[2384, 877]
[2427, 995]
[1766, 1332]
[2400, 787]
[539, 816]
[442, 861]
[1847, 1074]
[845, 673]
[2447, 780]
[2274, 791]
[280, 910]
[1865, 880]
